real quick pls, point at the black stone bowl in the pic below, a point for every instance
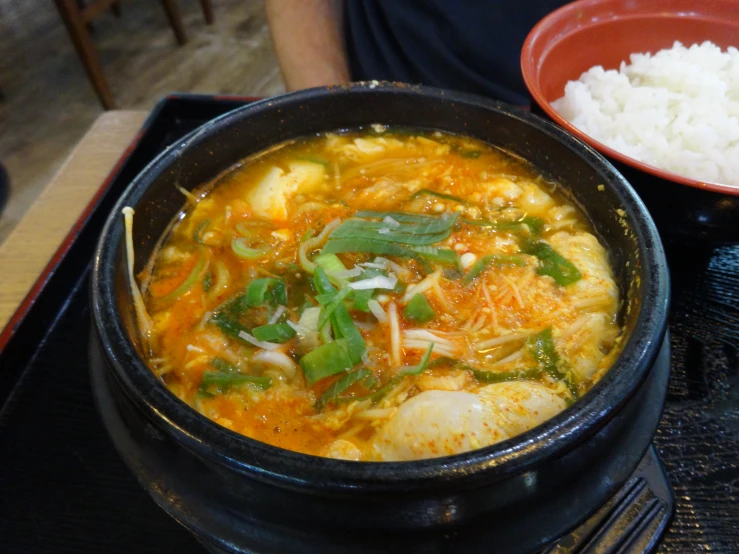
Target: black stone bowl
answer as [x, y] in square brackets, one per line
[240, 495]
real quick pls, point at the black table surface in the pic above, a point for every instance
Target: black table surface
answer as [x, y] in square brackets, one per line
[63, 487]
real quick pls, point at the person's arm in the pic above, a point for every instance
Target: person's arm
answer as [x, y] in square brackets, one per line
[309, 40]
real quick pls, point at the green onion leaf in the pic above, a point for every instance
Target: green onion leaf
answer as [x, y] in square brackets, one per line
[504, 376]
[328, 359]
[342, 322]
[552, 263]
[240, 247]
[208, 282]
[190, 280]
[198, 234]
[441, 255]
[332, 265]
[230, 326]
[224, 381]
[275, 332]
[441, 195]
[497, 260]
[410, 370]
[541, 348]
[256, 292]
[330, 307]
[314, 159]
[418, 309]
[332, 393]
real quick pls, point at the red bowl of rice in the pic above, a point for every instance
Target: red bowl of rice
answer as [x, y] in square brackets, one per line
[588, 33]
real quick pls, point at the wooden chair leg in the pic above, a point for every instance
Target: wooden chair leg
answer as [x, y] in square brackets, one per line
[173, 14]
[81, 4]
[70, 13]
[207, 11]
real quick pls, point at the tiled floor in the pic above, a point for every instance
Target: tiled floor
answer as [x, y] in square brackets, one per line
[49, 103]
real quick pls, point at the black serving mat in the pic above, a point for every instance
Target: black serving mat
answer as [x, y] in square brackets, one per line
[63, 488]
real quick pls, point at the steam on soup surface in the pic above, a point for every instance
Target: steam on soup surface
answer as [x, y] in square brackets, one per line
[379, 296]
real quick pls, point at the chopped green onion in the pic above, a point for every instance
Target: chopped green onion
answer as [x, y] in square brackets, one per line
[223, 366]
[401, 217]
[553, 264]
[504, 376]
[197, 235]
[208, 282]
[410, 370]
[230, 326]
[418, 369]
[535, 224]
[256, 292]
[418, 309]
[415, 229]
[341, 320]
[227, 375]
[541, 348]
[344, 327]
[497, 260]
[224, 381]
[242, 250]
[314, 159]
[328, 359]
[390, 249]
[190, 280]
[491, 376]
[362, 298]
[441, 195]
[471, 154]
[340, 386]
[275, 332]
[440, 255]
[333, 267]
[330, 307]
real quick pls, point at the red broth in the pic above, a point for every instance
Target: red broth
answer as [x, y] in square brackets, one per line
[381, 295]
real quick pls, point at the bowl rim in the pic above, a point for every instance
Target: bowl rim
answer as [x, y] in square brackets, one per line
[530, 72]
[286, 468]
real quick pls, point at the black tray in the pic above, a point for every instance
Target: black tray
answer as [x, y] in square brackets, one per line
[63, 488]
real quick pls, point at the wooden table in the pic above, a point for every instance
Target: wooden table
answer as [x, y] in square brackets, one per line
[31, 246]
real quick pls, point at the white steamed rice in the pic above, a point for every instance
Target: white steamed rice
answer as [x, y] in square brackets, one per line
[677, 110]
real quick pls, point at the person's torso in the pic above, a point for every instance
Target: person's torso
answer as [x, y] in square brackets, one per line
[466, 45]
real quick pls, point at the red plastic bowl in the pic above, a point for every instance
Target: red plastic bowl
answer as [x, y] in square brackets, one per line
[586, 33]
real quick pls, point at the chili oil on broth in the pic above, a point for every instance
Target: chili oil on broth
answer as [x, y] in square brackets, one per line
[514, 292]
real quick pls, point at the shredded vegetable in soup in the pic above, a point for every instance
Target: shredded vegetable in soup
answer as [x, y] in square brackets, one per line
[381, 295]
